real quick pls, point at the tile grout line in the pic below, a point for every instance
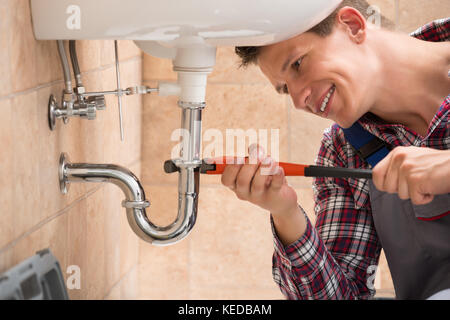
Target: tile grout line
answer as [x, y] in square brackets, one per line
[119, 281]
[39, 225]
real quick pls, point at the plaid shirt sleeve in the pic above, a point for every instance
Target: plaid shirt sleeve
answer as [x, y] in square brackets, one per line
[332, 259]
[437, 31]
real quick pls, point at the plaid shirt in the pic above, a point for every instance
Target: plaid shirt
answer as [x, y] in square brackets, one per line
[335, 259]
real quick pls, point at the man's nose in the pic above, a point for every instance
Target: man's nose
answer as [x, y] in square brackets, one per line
[300, 96]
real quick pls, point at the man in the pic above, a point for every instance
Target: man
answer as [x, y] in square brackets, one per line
[397, 89]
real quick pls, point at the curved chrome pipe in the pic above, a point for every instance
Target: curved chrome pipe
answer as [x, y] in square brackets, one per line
[135, 201]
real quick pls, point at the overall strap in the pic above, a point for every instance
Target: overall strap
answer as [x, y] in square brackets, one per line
[369, 147]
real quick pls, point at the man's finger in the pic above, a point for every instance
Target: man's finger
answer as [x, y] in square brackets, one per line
[229, 175]
[277, 180]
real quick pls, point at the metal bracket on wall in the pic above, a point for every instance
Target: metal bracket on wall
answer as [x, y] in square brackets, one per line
[76, 101]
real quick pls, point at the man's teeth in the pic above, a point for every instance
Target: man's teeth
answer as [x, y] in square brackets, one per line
[325, 101]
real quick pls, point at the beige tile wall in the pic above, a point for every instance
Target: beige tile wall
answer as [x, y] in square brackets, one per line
[87, 227]
[228, 254]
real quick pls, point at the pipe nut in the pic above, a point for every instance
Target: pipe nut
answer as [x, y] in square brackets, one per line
[91, 112]
[191, 105]
[99, 102]
[129, 204]
[68, 97]
[80, 90]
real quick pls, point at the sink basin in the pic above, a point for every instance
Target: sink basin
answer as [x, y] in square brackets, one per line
[217, 22]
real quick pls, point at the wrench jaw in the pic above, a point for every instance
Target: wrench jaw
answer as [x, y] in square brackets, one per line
[171, 167]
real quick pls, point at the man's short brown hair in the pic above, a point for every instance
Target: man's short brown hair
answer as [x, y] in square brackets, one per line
[249, 55]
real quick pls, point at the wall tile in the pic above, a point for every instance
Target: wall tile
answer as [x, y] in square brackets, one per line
[129, 244]
[232, 243]
[107, 56]
[47, 62]
[7, 174]
[163, 271]
[77, 242]
[114, 294]
[164, 275]
[387, 9]
[22, 46]
[129, 285]
[112, 198]
[416, 13]
[128, 49]
[5, 68]
[157, 69]
[6, 260]
[54, 237]
[164, 204]
[228, 70]
[51, 235]
[96, 264]
[26, 247]
[89, 53]
[25, 156]
[161, 116]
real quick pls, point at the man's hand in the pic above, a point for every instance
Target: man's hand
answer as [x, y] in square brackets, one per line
[261, 182]
[414, 173]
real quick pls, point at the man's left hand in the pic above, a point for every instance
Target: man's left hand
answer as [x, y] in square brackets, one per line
[414, 173]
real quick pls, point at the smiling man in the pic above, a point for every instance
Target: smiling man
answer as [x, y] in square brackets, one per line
[389, 96]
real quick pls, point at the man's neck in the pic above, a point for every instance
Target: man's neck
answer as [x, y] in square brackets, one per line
[413, 79]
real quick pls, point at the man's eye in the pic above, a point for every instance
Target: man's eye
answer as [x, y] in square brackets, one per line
[285, 89]
[297, 63]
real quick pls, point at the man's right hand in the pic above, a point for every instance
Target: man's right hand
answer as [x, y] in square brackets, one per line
[261, 182]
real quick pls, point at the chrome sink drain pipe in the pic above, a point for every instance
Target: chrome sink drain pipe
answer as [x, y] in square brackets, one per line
[135, 201]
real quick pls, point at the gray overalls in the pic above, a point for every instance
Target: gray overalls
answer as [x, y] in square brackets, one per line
[417, 251]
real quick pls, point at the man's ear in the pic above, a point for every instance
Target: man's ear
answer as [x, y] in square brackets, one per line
[353, 22]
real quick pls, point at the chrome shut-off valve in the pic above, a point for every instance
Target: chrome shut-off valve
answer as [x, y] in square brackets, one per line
[76, 101]
[86, 108]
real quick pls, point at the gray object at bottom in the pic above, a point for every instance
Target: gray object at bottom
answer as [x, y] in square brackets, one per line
[37, 278]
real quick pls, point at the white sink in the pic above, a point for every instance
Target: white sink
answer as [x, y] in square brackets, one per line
[218, 22]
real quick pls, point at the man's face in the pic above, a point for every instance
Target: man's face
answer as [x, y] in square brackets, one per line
[327, 76]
